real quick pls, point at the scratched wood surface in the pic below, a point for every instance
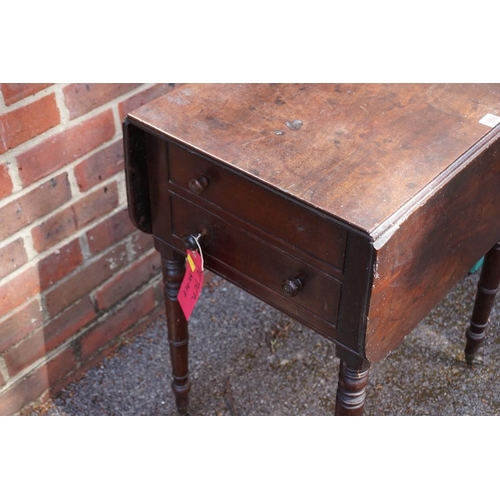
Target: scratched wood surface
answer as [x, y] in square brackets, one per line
[361, 152]
[432, 250]
[411, 166]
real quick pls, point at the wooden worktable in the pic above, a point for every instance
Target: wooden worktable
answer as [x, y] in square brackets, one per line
[353, 208]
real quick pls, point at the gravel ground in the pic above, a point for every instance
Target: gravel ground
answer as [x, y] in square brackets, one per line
[248, 359]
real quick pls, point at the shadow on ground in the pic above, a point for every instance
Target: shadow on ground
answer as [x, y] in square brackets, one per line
[248, 359]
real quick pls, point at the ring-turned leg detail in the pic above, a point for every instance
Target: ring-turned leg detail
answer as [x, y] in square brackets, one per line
[351, 389]
[173, 273]
[487, 289]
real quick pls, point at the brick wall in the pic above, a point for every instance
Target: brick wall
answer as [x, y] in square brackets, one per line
[76, 278]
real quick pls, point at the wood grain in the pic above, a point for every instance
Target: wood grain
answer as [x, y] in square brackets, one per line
[378, 198]
[361, 152]
[432, 250]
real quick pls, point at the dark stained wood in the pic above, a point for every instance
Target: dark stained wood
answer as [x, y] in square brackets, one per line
[430, 251]
[277, 215]
[487, 288]
[351, 391]
[353, 208]
[362, 152]
[173, 267]
[354, 300]
[250, 256]
[137, 180]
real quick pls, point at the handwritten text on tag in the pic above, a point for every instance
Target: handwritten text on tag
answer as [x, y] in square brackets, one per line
[192, 283]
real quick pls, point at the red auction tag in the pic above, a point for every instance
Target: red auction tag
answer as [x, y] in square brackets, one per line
[192, 283]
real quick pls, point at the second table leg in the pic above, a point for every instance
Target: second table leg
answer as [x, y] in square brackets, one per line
[487, 289]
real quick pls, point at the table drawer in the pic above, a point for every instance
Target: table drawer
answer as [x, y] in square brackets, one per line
[252, 257]
[264, 208]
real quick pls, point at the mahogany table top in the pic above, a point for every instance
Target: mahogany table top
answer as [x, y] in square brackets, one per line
[365, 154]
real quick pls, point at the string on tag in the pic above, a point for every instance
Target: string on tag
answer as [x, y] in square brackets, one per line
[196, 238]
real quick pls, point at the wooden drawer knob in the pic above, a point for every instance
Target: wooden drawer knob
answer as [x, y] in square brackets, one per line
[190, 240]
[197, 186]
[291, 287]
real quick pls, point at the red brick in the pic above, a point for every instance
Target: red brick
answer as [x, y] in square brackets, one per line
[12, 256]
[69, 322]
[5, 182]
[27, 122]
[142, 243]
[59, 264]
[91, 362]
[25, 353]
[100, 166]
[53, 230]
[143, 97]
[96, 204]
[61, 149]
[64, 223]
[109, 232]
[44, 378]
[80, 98]
[13, 92]
[159, 290]
[18, 290]
[50, 336]
[95, 358]
[86, 279]
[129, 280]
[34, 204]
[19, 325]
[117, 323]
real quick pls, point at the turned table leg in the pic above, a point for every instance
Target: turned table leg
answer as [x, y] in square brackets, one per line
[487, 289]
[173, 267]
[353, 377]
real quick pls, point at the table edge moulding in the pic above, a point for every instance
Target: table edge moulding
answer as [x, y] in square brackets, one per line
[354, 208]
